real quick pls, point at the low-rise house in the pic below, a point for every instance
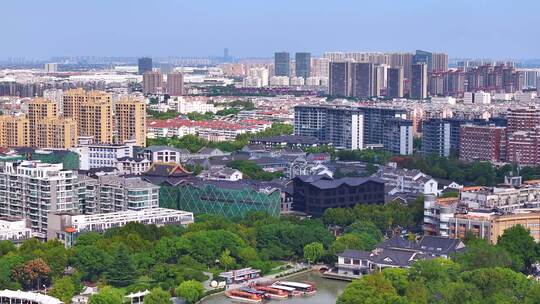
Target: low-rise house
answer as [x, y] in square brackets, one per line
[287, 141]
[319, 157]
[226, 173]
[133, 165]
[397, 252]
[257, 151]
[102, 155]
[65, 226]
[240, 275]
[207, 152]
[272, 164]
[14, 229]
[164, 154]
[407, 181]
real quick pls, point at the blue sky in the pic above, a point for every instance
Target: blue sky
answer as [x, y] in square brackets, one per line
[463, 28]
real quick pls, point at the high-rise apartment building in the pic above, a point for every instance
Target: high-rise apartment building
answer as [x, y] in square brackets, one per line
[363, 80]
[145, 65]
[524, 147]
[39, 109]
[397, 136]
[130, 121]
[302, 65]
[404, 60]
[152, 83]
[375, 119]
[436, 137]
[340, 126]
[419, 81]
[523, 119]
[93, 112]
[334, 56]
[339, 79]
[482, 143]
[55, 132]
[439, 62]
[14, 131]
[51, 67]
[120, 194]
[423, 57]
[319, 67]
[282, 64]
[346, 127]
[394, 87]
[175, 84]
[32, 189]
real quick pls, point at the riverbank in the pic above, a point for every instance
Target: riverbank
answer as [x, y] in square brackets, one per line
[281, 275]
[327, 290]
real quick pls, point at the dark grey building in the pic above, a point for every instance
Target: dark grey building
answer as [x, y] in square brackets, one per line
[344, 127]
[341, 127]
[313, 194]
[282, 64]
[339, 79]
[419, 81]
[302, 65]
[424, 57]
[145, 65]
[394, 82]
[436, 137]
[398, 136]
[374, 120]
[364, 80]
[455, 132]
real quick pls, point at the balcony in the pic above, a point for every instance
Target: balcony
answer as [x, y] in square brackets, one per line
[351, 266]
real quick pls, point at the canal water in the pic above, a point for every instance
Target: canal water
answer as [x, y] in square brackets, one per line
[327, 292]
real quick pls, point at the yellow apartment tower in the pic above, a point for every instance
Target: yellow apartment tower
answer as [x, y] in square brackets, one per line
[93, 112]
[130, 120]
[38, 109]
[14, 131]
[55, 132]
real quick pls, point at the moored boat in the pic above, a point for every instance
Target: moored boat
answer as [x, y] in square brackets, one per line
[273, 293]
[290, 290]
[244, 296]
[303, 288]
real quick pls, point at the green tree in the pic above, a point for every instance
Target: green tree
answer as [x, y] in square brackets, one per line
[190, 290]
[398, 277]
[91, 261]
[251, 170]
[122, 271]
[498, 285]
[366, 227]
[338, 216]
[370, 289]
[358, 241]
[480, 254]
[313, 252]
[8, 263]
[162, 115]
[6, 247]
[158, 296]
[226, 260]
[63, 289]
[106, 295]
[519, 243]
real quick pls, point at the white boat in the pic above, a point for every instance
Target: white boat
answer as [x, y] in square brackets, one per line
[303, 288]
[290, 290]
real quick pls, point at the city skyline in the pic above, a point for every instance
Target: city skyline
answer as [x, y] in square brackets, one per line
[258, 29]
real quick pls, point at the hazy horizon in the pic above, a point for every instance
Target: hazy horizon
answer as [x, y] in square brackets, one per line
[130, 28]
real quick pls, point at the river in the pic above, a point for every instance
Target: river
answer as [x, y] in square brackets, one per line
[327, 291]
